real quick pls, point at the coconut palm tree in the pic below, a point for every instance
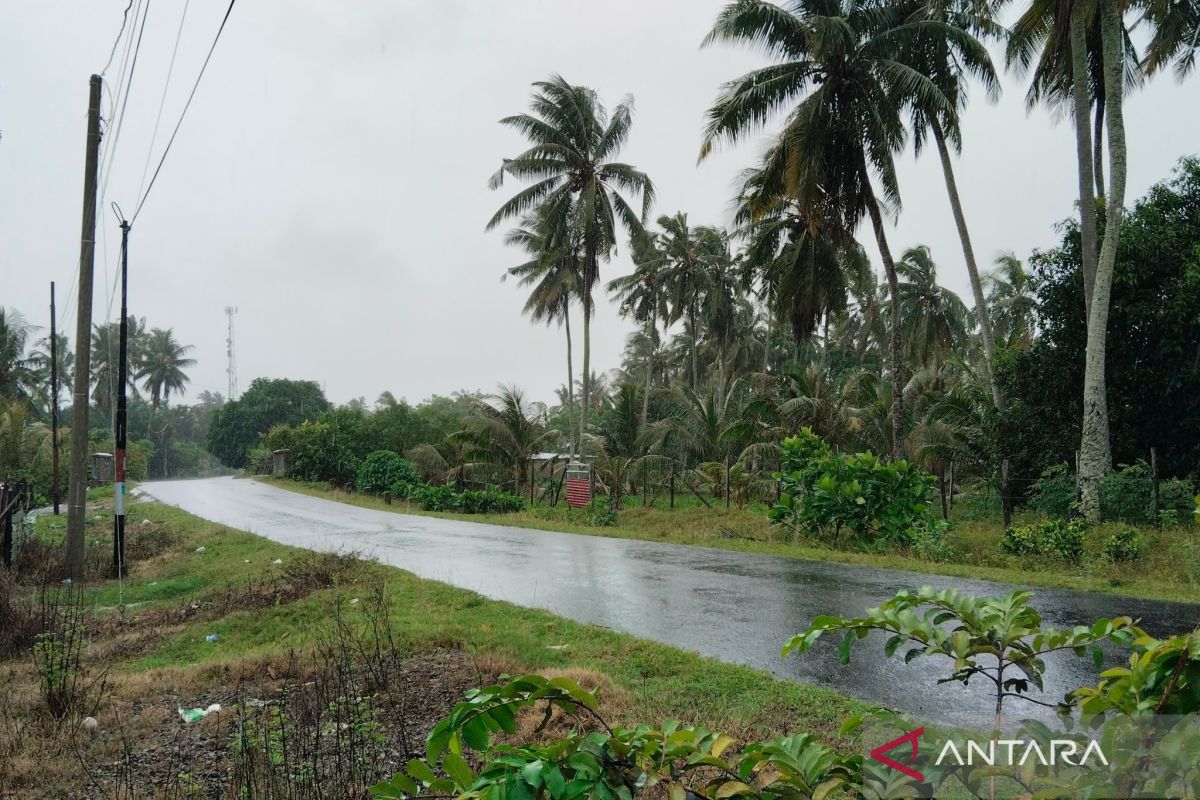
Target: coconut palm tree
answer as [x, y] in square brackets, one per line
[952, 61]
[1176, 26]
[709, 425]
[801, 263]
[643, 298]
[685, 280]
[506, 431]
[1011, 300]
[15, 368]
[23, 439]
[934, 318]
[554, 275]
[105, 357]
[576, 186]
[722, 287]
[843, 79]
[1095, 454]
[161, 366]
[41, 362]
[1055, 35]
[1061, 45]
[621, 447]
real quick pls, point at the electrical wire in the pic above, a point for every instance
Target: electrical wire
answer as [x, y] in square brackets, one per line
[162, 100]
[117, 41]
[186, 106]
[124, 95]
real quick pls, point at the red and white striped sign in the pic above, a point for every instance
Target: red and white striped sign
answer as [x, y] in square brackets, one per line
[579, 492]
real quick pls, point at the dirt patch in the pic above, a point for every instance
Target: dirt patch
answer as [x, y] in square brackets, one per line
[279, 718]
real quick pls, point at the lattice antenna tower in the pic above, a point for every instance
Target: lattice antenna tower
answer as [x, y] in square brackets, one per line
[231, 369]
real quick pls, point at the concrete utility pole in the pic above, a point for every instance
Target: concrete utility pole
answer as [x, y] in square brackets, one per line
[54, 487]
[77, 483]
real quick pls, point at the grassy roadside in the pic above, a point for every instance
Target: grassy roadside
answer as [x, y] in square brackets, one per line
[266, 601]
[1168, 569]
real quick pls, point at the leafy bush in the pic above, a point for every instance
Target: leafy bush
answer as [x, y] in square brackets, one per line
[824, 493]
[1126, 494]
[1053, 538]
[404, 490]
[932, 541]
[383, 470]
[600, 514]
[435, 498]
[486, 501]
[1053, 493]
[1123, 546]
[489, 501]
[668, 761]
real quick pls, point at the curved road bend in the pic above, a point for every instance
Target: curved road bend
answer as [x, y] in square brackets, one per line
[732, 606]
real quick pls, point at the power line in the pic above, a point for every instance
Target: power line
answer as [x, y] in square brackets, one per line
[125, 98]
[186, 106]
[162, 100]
[117, 41]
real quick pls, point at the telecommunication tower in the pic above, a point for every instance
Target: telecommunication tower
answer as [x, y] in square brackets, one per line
[231, 369]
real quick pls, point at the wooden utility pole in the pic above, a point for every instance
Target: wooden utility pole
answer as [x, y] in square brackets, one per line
[54, 487]
[119, 435]
[1005, 503]
[77, 482]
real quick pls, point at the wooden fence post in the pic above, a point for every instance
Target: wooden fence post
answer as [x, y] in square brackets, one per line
[950, 498]
[1154, 477]
[942, 489]
[6, 546]
[1005, 502]
[726, 483]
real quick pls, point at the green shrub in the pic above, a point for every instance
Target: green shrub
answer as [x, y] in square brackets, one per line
[932, 540]
[1123, 546]
[1052, 538]
[385, 471]
[1053, 493]
[435, 498]
[824, 493]
[489, 501]
[1126, 494]
[600, 513]
[323, 452]
[485, 501]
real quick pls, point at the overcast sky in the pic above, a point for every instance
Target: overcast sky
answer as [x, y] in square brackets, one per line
[330, 179]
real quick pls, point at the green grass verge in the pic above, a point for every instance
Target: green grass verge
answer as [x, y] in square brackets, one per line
[1168, 568]
[666, 682]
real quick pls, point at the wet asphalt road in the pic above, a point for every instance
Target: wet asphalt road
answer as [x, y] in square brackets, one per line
[735, 607]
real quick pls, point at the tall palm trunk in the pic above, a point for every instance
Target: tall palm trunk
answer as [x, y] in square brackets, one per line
[1083, 151]
[653, 326]
[767, 342]
[1094, 453]
[695, 346]
[985, 322]
[1098, 146]
[570, 384]
[896, 359]
[590, 266]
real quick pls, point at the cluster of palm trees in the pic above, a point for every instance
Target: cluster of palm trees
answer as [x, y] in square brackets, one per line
[854, 81]
[158, 366]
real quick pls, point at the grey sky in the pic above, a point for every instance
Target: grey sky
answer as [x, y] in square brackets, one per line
[330, 179]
